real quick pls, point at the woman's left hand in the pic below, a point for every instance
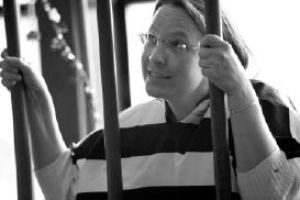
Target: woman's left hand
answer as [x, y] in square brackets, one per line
[221, 65]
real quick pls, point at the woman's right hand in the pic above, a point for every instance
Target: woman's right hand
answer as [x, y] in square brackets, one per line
[14, 70]
[47, 142]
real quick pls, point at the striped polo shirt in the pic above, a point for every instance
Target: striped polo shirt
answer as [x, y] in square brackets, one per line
[163, 159]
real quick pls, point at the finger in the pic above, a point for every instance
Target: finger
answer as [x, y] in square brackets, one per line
[206, 72]
[211, 40]
[10, 75]
[9, 63]
[205, 52]
[208, 63]
[213, 50]
[204, 65]
[8, 83]
[208, 68]
[6, 67]
[23, 65]
[214, 42]
[15, 64]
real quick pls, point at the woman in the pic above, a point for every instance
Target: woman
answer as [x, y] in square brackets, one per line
[166, 143]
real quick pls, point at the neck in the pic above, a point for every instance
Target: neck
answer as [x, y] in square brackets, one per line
[182, 107]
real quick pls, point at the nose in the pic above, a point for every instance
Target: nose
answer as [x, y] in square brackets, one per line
[158, 54]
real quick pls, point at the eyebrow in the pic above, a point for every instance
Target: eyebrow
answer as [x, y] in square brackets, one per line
[182, 35]
[178, 33]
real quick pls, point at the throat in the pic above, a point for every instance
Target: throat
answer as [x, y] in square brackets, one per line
[176, 112]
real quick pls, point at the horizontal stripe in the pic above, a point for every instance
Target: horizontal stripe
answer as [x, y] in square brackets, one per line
[290, 146]
[165, 169]
[277, 117]
[161, 193]
[151, 139]
[182, 138]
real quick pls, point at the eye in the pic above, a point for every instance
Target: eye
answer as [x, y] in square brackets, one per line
[151, 38]
[177, 44]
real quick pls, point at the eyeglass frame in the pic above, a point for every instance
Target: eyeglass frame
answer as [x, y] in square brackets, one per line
[167, 44]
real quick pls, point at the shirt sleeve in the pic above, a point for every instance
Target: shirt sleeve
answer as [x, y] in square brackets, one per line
[278, 176]
[56, 178]
[273, 179]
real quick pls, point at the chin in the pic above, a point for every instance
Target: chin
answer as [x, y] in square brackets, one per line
[155, 92]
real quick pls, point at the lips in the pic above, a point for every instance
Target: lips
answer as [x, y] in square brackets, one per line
[158, 75]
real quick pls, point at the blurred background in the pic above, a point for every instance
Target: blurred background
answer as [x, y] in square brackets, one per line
[61, 43]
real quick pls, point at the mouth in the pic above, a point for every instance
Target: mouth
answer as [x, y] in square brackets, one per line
[158, 75]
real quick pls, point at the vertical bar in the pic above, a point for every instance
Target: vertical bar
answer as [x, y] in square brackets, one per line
[79, 41]
[111, 123]
[121, 54]
[82, 11]
[21, 137]
[218, 124]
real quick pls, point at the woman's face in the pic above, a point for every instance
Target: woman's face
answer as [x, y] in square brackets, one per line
[168, 74]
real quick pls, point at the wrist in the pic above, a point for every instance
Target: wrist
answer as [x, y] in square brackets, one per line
[244, 107]
[242, 98]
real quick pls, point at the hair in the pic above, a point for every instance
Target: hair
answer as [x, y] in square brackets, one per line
[196, 10]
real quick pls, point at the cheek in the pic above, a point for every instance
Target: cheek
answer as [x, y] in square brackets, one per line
[191, 74]
[190, 68]
[145, 62]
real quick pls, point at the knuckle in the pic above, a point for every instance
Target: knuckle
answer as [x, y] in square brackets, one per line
[227, 46]
[5, 75]
[223, 56]
[6, 83]
[212, 37]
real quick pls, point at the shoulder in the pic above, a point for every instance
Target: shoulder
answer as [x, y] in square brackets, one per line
[266, 92]
[276, 108]
[151, 112]
[282, 118]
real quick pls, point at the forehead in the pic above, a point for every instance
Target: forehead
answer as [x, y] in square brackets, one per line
[173, 20]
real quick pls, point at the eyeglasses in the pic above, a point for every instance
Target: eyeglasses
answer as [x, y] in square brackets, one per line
[174, 46]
